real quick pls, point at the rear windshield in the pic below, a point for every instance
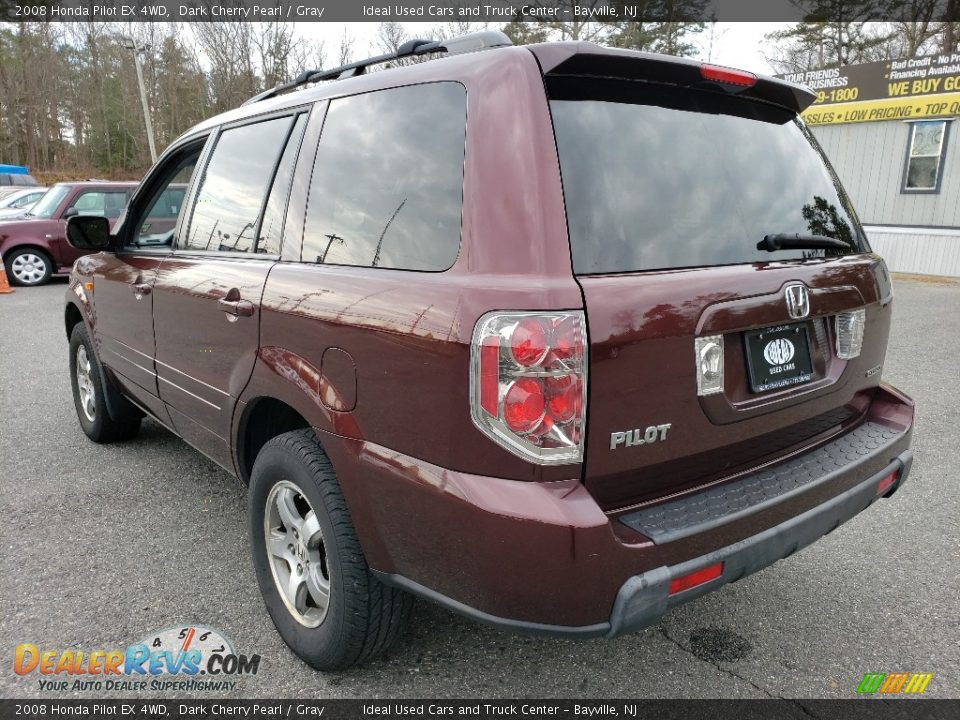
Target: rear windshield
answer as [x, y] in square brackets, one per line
[656, 177]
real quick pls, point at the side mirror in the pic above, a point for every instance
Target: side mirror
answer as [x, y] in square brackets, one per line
[89, 232]
[70, 212]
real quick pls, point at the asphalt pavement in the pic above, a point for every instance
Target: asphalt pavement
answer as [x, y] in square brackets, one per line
[103, 545]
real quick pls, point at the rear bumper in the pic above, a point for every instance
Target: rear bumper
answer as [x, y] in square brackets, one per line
[643, 599]
[543, 558]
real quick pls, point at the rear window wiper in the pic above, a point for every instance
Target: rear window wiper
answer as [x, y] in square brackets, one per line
[794, 241]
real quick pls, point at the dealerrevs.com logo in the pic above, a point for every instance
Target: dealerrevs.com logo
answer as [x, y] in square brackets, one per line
[187, 658]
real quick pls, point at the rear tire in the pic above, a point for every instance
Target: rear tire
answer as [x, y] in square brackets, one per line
[323, 599]
[88, 393]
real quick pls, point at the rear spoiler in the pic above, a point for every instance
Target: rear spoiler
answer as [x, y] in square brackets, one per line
[592, 60]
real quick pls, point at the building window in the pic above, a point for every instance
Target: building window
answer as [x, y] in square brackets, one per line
[924, 167]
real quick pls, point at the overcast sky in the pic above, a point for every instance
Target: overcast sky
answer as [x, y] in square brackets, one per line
[739, 45]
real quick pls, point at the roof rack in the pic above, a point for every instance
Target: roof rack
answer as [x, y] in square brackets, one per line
[412, 48]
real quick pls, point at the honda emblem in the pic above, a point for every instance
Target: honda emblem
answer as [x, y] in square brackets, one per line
[798, 301]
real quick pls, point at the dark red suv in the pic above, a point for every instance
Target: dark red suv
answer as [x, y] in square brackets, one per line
[34, 246]
[557, 337]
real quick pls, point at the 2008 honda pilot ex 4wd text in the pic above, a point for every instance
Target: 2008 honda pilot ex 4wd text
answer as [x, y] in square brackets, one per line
[555, 336]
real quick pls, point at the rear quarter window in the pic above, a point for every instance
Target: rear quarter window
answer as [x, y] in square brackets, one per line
[388, 180]
[660, 178]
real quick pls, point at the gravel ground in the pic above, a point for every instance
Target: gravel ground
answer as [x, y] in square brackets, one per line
[105, 544]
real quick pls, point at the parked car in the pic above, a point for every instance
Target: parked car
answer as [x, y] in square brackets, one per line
[15, 177]
[34, 246]
[19, 202]
[9, 190]
[557, 336]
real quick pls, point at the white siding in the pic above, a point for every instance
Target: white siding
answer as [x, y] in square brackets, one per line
[869, 159]
[912, 250]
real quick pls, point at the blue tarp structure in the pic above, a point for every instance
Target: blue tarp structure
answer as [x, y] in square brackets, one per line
[14, 169]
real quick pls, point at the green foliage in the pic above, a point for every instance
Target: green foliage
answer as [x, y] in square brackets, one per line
[523, 32]
[69, 96]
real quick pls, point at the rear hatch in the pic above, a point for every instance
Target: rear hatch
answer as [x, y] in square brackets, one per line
[709, 356]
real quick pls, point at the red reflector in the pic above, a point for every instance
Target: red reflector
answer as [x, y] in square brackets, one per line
[886, 483]
[728, 75]
[490, 374]
[685, 582]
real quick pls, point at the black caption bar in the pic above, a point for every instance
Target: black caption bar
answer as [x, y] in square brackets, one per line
[134, 709]
[452, 10]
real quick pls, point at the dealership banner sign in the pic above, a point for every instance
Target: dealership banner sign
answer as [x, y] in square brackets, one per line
[906, 89]
[134, 11]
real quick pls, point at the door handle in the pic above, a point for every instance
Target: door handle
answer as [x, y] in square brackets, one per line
[237, 308]
[141, 289]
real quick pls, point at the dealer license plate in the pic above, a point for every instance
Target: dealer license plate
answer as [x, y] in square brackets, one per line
[778, 357]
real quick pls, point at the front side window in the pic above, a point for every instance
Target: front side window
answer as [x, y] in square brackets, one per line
[233, 187]
[159, 222]
[388, 180]
[928, 140]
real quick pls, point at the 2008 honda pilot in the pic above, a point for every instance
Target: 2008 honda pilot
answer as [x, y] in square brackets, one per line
[555, 336]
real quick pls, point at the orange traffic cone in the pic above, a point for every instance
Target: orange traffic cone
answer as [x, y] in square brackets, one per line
[4, 285]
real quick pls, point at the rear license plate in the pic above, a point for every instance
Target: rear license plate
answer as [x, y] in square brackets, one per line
[778, 356]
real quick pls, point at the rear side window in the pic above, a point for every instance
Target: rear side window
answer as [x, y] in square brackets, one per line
[234, 185]
[658, 178]
[106, 204]
[388, 180]
[26, 200]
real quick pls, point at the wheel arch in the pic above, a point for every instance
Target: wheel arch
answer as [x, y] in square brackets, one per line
[71, 316]
[262, 419]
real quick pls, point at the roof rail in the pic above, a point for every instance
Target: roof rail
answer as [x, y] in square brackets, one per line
[411, 48]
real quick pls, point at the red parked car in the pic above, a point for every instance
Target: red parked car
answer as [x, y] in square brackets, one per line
[34, 247]
[555, 336]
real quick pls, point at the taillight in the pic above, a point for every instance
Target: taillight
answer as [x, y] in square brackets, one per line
[730, 76]
[529, 383]
[849, 329]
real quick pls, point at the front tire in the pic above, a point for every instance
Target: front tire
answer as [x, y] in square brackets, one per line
[323, 599]
[28, 267]
[88, 393]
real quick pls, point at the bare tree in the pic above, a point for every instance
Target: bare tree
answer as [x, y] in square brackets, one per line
[345, 54]
[390, 36]
[233, 77]
[456, 28]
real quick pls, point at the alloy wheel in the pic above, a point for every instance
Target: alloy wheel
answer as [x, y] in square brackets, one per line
[296, 553]
[85, 388]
